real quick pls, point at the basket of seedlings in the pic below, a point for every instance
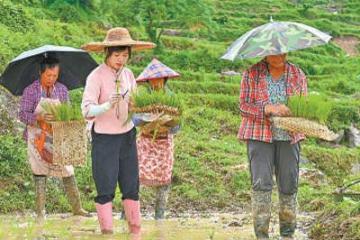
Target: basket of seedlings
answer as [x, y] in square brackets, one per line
[309, 116]
[158, 110]
[68, 130]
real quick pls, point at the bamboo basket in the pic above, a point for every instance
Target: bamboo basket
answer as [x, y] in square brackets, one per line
[157, 108]
[160, 127]
[304, 126]
[69, 142]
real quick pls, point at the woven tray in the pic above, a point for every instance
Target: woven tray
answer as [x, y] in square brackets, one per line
[305, 126]
[69, 143]
[157, 108]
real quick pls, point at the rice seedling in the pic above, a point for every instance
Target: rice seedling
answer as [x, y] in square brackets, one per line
[313, 107]
[63, 111]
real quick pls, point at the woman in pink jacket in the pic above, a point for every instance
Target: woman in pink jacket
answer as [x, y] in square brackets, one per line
[105, 103]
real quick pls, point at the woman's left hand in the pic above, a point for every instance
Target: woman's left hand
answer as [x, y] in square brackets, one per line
[283, 111]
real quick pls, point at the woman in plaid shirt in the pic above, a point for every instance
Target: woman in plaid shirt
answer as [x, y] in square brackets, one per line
[265, 88]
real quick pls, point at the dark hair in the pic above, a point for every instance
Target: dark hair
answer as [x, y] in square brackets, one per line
[48, 62]
[110, 50]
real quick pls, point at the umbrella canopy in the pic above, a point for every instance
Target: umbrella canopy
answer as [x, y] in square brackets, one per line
[75, 65]
[275, 38]
[156, 70]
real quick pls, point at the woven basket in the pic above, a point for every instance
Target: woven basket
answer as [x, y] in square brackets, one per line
[304, 126]
[160, 127]
[69, 143]
[157, 108]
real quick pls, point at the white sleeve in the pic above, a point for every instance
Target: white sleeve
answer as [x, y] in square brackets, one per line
[96, 110]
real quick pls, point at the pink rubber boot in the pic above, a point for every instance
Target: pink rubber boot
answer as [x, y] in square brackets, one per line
[133, 217]
[104, 212]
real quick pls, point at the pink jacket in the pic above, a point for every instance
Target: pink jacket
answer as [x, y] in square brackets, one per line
[100, 84]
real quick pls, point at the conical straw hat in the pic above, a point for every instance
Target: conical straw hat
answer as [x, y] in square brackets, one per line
[156, 70]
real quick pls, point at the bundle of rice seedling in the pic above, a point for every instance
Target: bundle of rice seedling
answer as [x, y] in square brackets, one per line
[63, 111]
[166, 108]
[309, 117]
[68, 130]
[313, 107]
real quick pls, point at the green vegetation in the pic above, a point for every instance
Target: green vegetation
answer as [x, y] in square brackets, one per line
[210, 169]
[144, 97]
[314, 107]
[63, 111]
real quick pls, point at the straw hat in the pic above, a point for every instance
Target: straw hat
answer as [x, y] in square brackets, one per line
[117, 37]
[156, 70]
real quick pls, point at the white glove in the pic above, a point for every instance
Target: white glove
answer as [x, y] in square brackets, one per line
[96, 110]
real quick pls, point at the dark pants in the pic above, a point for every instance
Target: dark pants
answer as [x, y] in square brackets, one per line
[114, 160]
[282, 158]
[279, 157]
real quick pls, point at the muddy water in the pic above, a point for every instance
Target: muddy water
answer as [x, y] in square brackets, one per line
[214, 227]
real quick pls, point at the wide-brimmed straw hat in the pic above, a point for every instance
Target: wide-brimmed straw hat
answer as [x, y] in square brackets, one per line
[156, 70]
[117, 37]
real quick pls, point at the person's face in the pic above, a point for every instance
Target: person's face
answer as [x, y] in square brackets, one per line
[276, 61]
[49, 76]
[118, 59]
[157, 84]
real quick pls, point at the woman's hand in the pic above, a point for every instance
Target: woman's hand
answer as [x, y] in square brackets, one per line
[45, 117]
[114, 99]
[279, 110]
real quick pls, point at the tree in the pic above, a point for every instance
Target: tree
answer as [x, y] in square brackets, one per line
[158, 15]
[86, 4]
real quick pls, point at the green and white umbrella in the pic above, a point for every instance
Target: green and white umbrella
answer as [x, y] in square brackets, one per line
[275, 38]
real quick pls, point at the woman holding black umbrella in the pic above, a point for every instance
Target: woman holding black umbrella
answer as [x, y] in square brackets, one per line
[46, 90]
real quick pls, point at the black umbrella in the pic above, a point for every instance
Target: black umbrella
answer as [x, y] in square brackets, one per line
[75, 65]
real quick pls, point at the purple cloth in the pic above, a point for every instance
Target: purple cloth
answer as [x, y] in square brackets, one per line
[31, 98]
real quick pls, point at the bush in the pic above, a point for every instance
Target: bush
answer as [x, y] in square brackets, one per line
[66, 12]
[14, 17]
[13, 159]
[342, 115]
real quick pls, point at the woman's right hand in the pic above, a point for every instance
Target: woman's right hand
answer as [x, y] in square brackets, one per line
[45, 117]
[114, 99]
[279, 110]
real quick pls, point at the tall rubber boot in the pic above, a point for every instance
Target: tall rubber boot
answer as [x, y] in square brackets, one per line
[104, 213]
[133, 217]
[287, 215]
[161, 201]
[73, 195]
[40, 191]
[261, 210]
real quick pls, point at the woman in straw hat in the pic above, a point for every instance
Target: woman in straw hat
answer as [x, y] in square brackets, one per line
[156, 156]
[105, 103]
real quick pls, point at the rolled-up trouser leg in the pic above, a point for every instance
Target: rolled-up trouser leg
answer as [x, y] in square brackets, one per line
[261, 210]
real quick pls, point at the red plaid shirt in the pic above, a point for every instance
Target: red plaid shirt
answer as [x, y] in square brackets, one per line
[254, 96]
